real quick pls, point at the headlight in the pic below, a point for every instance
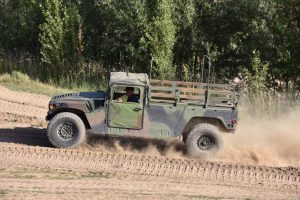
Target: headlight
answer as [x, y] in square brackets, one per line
[54, 105]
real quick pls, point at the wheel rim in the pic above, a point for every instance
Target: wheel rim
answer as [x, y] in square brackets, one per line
[66, 131]
[205, 143]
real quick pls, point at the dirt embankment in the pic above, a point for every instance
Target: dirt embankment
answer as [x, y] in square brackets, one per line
[148, 169]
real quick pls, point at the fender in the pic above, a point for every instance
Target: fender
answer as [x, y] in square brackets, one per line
[192, 116]
[79, 113]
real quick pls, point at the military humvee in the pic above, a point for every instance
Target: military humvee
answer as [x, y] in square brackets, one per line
[196, 113]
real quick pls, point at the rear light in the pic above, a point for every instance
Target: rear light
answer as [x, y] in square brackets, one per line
[234, 121]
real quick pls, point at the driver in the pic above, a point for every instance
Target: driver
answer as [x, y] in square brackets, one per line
[129, 96]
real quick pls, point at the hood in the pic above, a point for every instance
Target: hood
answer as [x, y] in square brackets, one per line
[100, 95]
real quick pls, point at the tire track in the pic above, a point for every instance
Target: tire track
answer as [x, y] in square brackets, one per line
[148, 188]
[23, 104]
[76, 159]
[32, 111]
[6, 117]
[24, 98]
[16, 107]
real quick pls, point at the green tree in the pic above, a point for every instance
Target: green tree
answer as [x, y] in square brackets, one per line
[74, 36]
[161, 36]
[258, 77]
[19, 25]
[53, 33]
[59, 37]
[114, 34]
[185, 58]
[72, 33]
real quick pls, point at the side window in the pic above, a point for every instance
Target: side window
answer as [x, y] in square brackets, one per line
[121, 93]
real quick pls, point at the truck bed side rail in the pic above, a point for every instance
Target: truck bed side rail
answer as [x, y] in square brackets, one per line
[192, 93]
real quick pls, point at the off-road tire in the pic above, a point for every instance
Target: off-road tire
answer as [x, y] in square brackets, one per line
[59, 120]
[206, 131]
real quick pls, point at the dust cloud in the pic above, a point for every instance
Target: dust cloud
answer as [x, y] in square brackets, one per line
[151, 147]
[265, 141]
[258, 140]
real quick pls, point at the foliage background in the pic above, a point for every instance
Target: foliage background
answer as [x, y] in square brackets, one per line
[75, 42]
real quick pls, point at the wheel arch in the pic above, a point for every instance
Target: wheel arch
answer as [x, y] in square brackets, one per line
[77, 112]
[197, 120]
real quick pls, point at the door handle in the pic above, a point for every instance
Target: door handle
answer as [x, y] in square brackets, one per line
[137, 109]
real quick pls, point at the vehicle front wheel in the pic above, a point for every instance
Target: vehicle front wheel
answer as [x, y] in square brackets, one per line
[204, 141]
[66, 130]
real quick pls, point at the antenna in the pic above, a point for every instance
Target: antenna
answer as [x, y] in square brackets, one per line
[151, 65]
[148, 87]
[209, 65]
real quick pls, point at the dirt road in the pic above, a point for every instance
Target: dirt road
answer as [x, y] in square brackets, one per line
[118, 168]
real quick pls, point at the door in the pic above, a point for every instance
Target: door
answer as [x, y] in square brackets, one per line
[128, 115]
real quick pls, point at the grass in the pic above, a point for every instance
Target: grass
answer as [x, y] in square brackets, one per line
[97, 175]
[31, 75]
[22, 82]
[20, 174]
[2, 193]
[205, 197]
[24, 173]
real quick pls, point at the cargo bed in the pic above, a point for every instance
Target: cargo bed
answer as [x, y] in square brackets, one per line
[192, 93]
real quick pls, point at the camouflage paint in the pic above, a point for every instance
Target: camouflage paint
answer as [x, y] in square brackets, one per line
[144, 119]
[97, 120]
[125, 115]
[159, 120]
[225, 116]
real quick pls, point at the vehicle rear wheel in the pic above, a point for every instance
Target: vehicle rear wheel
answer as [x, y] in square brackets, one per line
[204, 141]
[66, 130]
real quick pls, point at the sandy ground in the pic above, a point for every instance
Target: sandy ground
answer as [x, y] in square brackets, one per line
[121, 168]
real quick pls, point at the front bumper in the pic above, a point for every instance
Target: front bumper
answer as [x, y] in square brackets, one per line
[49, 115]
